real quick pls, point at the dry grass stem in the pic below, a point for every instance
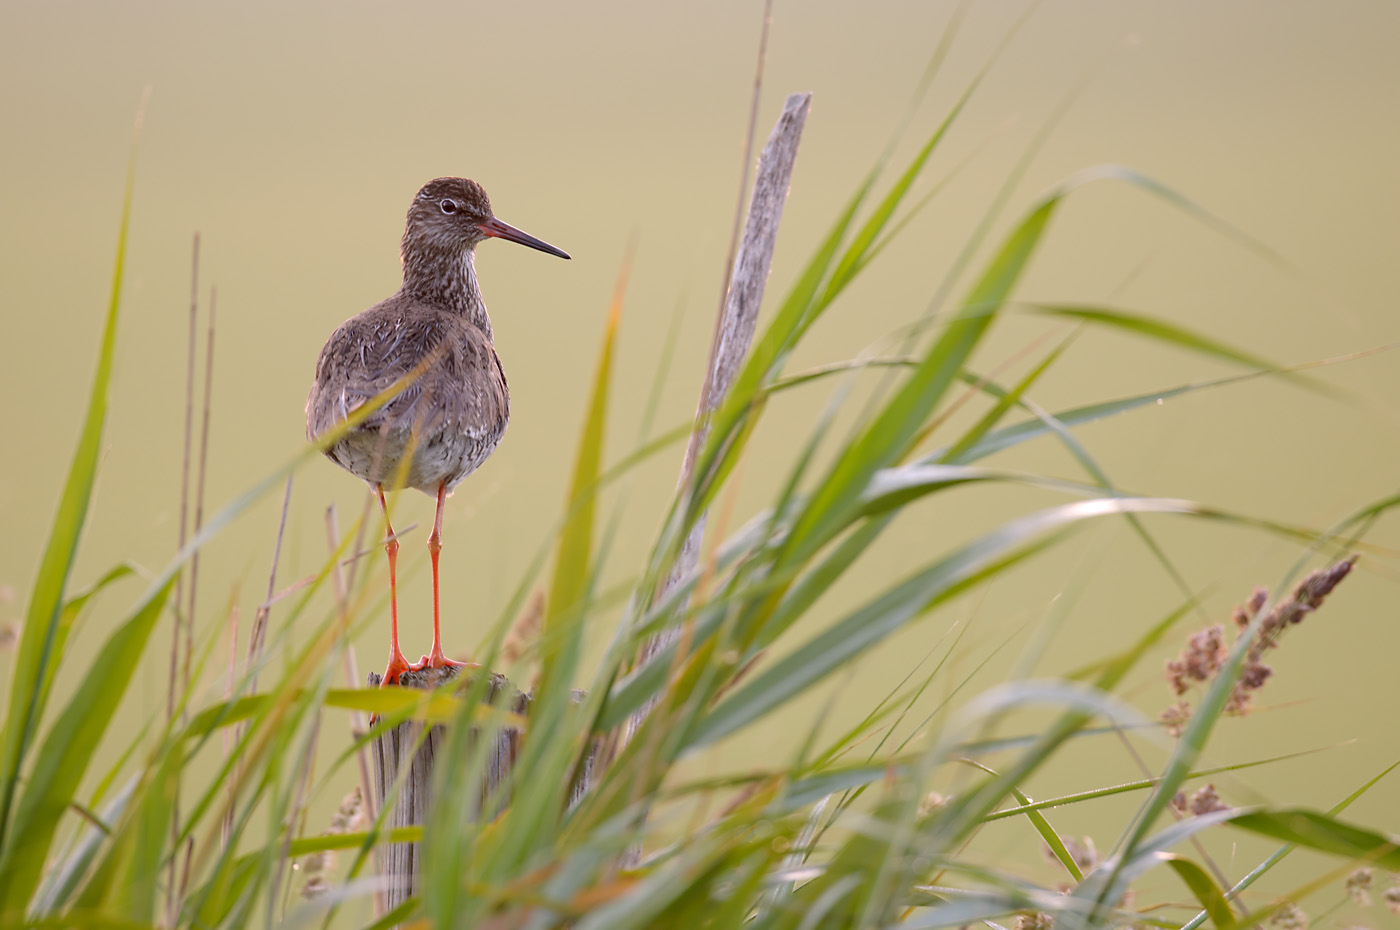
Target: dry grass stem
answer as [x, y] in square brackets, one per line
[259, 631]
[184, 483]
[201, 472]
[226, 826]
[525, 631]
[171, 903]
[359, 726]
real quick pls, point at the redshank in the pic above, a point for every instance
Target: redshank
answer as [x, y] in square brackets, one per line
[450, 417]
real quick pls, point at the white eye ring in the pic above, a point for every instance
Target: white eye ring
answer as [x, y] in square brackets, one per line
[448, 206]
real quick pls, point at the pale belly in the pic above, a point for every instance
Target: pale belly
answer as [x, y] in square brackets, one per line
[394, 459]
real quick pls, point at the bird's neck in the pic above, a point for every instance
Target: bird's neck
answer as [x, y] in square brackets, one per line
[446, 279]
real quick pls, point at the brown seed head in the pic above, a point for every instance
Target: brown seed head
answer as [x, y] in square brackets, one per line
[1290, 917]
[1037, 921]
[1205, 800]
[1359, 886]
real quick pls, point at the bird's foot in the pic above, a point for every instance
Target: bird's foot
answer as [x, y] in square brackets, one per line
[441, 661]
[397, 666]
[437, 660]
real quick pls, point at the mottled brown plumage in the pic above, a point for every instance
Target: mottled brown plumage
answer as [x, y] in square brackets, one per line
[458, 406]
[450, 417]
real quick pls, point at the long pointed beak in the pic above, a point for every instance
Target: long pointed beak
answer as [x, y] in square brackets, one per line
[500, 230]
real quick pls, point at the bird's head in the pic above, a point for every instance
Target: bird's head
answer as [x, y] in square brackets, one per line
[454, 214]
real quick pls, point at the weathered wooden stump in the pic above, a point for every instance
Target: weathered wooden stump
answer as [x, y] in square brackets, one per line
[394, 749]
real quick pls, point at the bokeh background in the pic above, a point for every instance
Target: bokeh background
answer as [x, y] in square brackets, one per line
[292, 135]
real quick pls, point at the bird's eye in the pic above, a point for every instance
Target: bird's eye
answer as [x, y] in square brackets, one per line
[448, 206]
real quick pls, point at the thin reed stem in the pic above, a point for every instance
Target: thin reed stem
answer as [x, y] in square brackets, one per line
[172, 906]
[199, 488]
[259, 632]
[226, 827]
[359, 726]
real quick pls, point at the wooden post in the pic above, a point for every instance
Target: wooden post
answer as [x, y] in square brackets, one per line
[735, 327]
[394, 749]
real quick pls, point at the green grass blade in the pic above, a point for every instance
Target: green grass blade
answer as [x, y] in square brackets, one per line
[127, 881]
[850, 636]
[1316, 830]
[1004, 402]
[1205, 889]
[1163, 331]
[1139, 785]
[65, 753]
[854, 257]
[1042, 826]
[1111, 880]
[38, 653]
[731, 423]
[66, 875]
[1009, 436]
[1051, 838]
[72, 610]
[888, 437]
[573, 558]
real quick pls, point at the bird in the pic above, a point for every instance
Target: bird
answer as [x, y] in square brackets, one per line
[432, 343]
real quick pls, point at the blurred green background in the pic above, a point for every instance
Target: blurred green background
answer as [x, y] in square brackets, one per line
[292, 135]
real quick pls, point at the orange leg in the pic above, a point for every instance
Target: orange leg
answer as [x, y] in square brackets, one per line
[435, 659]
[397, 663]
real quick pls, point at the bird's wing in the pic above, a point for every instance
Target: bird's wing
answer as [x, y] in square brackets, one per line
[365, 357]
[452, 365]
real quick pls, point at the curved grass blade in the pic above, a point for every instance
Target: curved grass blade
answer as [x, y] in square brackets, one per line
[858, 631]
[63, 757]
[126, 881]
[68, 871]
[1139, 785]
[1004, 402]
[72, 610]
[1316, 830]
[857, 253]
[968, 908]
[1017, 433]
[887, 439]
[1203, 887]
[1042, 826]
[1110, 881]
[40, 644]
[573, 558]
[538, 783]
[1162, 331]
[1051, 838]
[732, 421]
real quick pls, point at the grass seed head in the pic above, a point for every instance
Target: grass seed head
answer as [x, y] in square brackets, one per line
[1359, 886]
[1206, 651]
[1290, 917]
[1037, 921]
[1392, 896]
